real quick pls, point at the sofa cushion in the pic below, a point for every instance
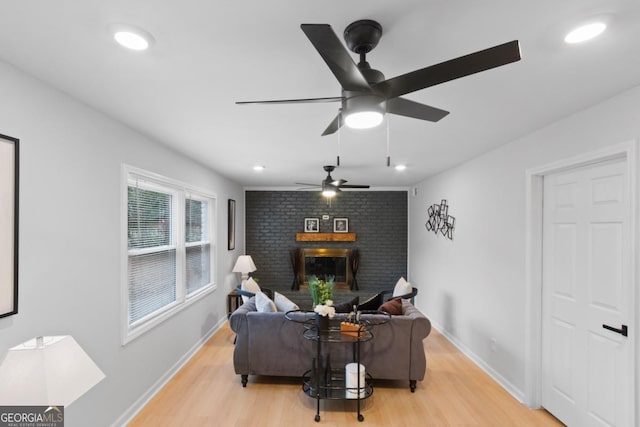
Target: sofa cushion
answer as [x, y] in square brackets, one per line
[249, 285]
[402, 288]
[393, 306]
[347, 307]
[264, 303]
[283, 303]
[372, 303]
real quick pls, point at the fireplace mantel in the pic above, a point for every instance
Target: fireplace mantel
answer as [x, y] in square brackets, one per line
[325, 237]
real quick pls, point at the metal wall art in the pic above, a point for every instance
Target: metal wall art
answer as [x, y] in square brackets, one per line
[440, 220]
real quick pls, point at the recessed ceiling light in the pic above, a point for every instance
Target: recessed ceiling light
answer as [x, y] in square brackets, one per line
[258, 168]
[131, 37]
[401, 167]
[585, 32]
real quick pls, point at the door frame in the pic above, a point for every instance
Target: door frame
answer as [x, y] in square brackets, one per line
[533, 261]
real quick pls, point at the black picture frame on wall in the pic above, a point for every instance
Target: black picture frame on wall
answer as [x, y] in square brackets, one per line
[231, 232]
[9, 185]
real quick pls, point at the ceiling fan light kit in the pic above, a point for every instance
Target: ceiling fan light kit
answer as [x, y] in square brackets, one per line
[327, 191]
[363, 119]
[362, 110]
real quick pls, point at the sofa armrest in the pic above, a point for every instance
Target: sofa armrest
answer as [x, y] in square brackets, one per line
[238, 319]
[421, 324]
[239, 325]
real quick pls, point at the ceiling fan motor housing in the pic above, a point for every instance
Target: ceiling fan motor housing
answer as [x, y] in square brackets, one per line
[371, 75]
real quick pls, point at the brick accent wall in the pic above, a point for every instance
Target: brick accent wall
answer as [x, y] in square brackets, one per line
[379, 219]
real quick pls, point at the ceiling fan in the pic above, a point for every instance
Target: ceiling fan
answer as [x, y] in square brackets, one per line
[366, 95]
[331, 186]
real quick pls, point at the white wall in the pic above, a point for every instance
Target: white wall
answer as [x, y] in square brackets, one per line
[70, 265]
[474, 286]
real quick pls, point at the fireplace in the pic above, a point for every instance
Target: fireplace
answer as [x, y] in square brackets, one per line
[326, 262]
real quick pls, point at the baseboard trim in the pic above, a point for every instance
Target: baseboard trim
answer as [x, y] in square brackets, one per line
[142, 401]
[478, 361]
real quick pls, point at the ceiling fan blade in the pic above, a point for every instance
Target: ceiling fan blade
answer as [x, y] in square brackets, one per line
[307, 184]
[339, 182]
[354, 186]
[450, 70]
[293, 101]
[405, 107]
[336, 56]
[333, 126]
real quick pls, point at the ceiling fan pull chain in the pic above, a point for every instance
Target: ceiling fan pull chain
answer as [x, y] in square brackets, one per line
[388, 155]
[339, 137]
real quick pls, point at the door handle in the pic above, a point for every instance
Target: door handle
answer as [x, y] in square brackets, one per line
[624, 330]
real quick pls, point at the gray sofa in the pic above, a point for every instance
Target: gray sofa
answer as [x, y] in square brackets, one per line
[269, 344]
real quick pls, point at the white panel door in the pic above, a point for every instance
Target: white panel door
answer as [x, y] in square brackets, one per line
[587, 370]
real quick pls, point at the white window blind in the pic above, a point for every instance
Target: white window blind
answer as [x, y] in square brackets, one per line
[170, 250]
[152, 252]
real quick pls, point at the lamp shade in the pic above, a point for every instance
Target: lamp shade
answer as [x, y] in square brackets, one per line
[244, 265]
[47, 371]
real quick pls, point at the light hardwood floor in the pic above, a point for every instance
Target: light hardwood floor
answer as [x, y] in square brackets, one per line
[455, 392]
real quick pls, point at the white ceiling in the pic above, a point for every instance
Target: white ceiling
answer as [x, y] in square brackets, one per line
[209, 54]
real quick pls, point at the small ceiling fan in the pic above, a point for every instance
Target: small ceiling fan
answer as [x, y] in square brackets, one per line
[366, 95]
[331, 186]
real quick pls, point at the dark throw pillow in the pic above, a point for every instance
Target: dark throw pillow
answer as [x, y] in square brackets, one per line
[393, 307]
[347, 307]
[372, 303]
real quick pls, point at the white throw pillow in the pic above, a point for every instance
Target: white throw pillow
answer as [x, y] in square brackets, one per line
[249, 285]
[264, 304]
[283, 303]
[402, 288]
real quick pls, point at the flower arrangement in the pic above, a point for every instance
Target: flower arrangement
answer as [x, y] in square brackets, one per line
[326, 309]
[321, 290]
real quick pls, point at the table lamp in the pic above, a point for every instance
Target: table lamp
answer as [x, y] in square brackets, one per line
[46, 371]
[244, 265]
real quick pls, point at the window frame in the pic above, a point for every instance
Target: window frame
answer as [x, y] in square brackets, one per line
[180, 192]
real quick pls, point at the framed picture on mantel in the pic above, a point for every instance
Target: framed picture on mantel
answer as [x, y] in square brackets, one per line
[9, 166]
[341, 225]
[312, 225]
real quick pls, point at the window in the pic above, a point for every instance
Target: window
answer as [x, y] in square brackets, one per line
[169, 252]
[197, 244]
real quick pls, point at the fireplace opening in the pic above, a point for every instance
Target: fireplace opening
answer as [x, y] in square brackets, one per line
[327, 262]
